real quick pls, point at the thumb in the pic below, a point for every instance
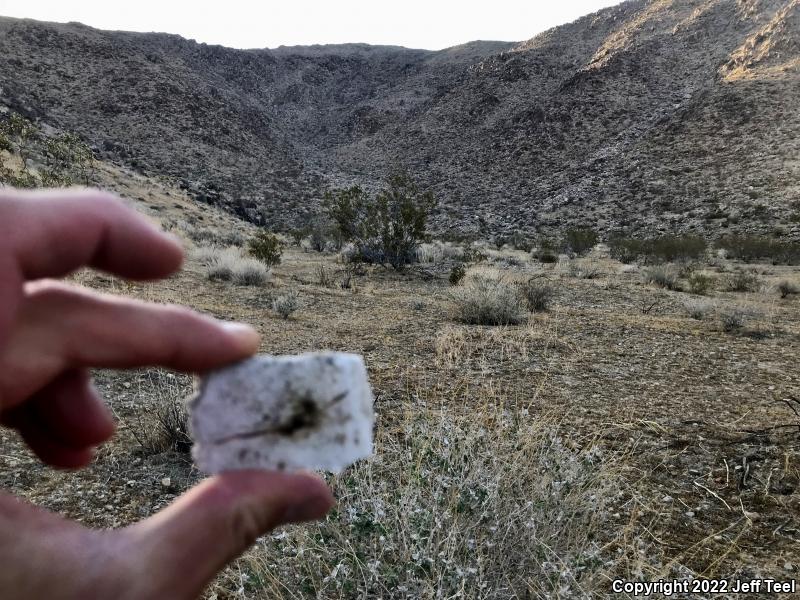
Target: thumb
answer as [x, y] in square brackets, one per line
[183, 547]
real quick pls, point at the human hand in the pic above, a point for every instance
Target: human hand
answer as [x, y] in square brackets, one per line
[50, 335]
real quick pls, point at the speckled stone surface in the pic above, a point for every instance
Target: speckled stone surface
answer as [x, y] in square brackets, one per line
[312, 411]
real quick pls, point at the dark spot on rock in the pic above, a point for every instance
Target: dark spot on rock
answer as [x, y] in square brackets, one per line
[304, 414]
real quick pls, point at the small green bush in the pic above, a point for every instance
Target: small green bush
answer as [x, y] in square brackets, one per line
[473, 255]
[545, 251]
[580, 240]
[666, 248]
[624, 249]
[387, 228]
[457, 274]
[749, 248]
[266, 247]
[700, 283]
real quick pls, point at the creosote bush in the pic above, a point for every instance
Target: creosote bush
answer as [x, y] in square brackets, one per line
[266, 247]
[545, 251]
[755, 247]
[667, 248]
[457, 273]
[387, 228]
[482, 300]
[579, 240]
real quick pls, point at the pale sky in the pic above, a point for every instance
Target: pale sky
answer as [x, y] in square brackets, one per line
[240, 24]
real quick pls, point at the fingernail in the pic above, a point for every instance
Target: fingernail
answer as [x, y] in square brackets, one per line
[307, 510]
[243, 332]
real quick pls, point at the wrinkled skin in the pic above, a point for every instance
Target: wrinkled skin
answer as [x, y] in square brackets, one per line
[50, 335]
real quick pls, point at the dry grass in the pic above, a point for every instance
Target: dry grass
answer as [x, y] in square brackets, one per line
[481, 300]
[163, 425]
[230, 264]
[489, 503]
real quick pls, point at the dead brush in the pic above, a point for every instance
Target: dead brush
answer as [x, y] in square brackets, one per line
[163, 426]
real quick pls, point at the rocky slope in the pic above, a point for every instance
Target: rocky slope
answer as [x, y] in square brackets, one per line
[654, 115]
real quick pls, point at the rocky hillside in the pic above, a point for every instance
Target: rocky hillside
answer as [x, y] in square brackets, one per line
[654, 115]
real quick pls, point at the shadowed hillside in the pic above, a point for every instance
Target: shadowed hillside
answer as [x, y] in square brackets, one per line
[652, 115]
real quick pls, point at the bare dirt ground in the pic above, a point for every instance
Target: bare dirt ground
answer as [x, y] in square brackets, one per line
[610, 436]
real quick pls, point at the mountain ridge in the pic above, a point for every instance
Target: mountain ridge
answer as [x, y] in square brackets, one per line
[651, 116]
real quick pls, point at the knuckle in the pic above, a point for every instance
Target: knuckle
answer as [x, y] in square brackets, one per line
[246, 525]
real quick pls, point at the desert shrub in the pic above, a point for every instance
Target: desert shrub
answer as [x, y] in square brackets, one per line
[664, 277]
[698, 309]
[517, 240]
[163, 426]
[208, 236]
[387, 228]
[286, 304]
[250, 272]
[457, 273]
[537, 294]
[733, 319]
[625, 249]
[755, 247]
[743, 281]
[786, 289]
[481, 300]
[346, 281]
[545, 251]
[473, 254]
[700, 283]
[266, 247]
[584, 269]
[579, 240]
[429, 253]
[323, 276]
[205, 255]
[68, 160]
[666, 248]
[229, 265]
[436, 252]
[671, 248]
[322, 234]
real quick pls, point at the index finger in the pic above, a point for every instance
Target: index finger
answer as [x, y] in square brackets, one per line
[54, 232]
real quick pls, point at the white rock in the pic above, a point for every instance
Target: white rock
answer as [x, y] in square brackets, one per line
[312, 411]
